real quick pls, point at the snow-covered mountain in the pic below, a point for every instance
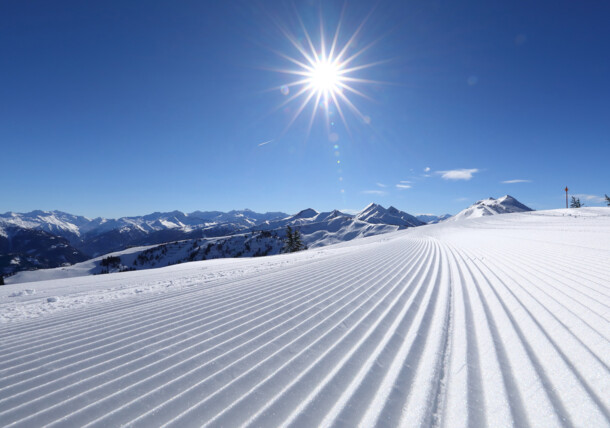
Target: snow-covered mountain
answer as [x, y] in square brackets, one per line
[71, 226]
[304, 217]
[99, 236]
[24, 248]
[55, 238]
[490, 206]
[377, 214]
[317, 229]
[432, 218]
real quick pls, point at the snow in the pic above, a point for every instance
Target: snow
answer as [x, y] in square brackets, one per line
[491, 206]
[89, 267]
[71, 226]
[374, 213]
[498, 320]
[432, 218]
[26, 292]
[332, 229]
[50, 221]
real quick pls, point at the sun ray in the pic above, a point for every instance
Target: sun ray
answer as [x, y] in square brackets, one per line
[293, 60]
[353, 37]
[363, 66]
[351, 106]
[322, 53]
[295, 43]
[357, 54]
[359, 80]
[355, 91]
[338, 105]
[313, 114]
[336, 36]
[363, 50]
[306, 33]
[293, 97]
[286, 85]
[289, 71]
[298, 112]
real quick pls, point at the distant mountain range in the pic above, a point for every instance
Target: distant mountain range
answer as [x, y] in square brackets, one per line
[46, 239]
[52, 239]
[431, 218]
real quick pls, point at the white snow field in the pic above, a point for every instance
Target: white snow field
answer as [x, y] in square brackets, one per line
[495, 321]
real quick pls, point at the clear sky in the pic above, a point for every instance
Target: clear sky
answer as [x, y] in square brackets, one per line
[114, 108]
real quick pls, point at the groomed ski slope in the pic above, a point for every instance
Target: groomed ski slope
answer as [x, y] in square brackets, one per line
[497, 321]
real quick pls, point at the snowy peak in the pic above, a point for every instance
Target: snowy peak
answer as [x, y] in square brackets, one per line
[306, 213]
[331, 215]
[55, 222]
[371, 209]
[375, 214]
[491, 206]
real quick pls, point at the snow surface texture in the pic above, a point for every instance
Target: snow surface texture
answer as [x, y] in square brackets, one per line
[494, 321]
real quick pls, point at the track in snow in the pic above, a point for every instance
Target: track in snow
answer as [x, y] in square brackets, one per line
[495, 322]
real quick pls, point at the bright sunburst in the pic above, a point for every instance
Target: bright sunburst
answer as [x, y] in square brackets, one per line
[327, 74]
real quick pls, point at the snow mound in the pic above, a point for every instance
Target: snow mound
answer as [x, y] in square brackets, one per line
[26, 292]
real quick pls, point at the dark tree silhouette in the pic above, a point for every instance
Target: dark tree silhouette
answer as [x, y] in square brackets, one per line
[289, 241]
[293, 241]
[575, 202]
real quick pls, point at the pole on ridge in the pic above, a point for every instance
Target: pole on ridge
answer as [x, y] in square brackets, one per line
[566, 189]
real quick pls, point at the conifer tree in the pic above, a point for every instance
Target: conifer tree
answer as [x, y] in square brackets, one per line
[575, 202]
[1, 280]
[293, 241]
[298, 242]
[289, 242]
[607, 198]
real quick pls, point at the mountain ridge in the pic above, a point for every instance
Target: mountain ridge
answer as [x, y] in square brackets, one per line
[98, 237]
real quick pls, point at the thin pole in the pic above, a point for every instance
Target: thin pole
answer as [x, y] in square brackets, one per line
[566, 189]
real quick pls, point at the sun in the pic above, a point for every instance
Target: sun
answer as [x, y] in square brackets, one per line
[325, 77]
[327, 73]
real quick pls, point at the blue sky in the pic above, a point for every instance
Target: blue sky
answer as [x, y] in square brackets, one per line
[122, 108]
